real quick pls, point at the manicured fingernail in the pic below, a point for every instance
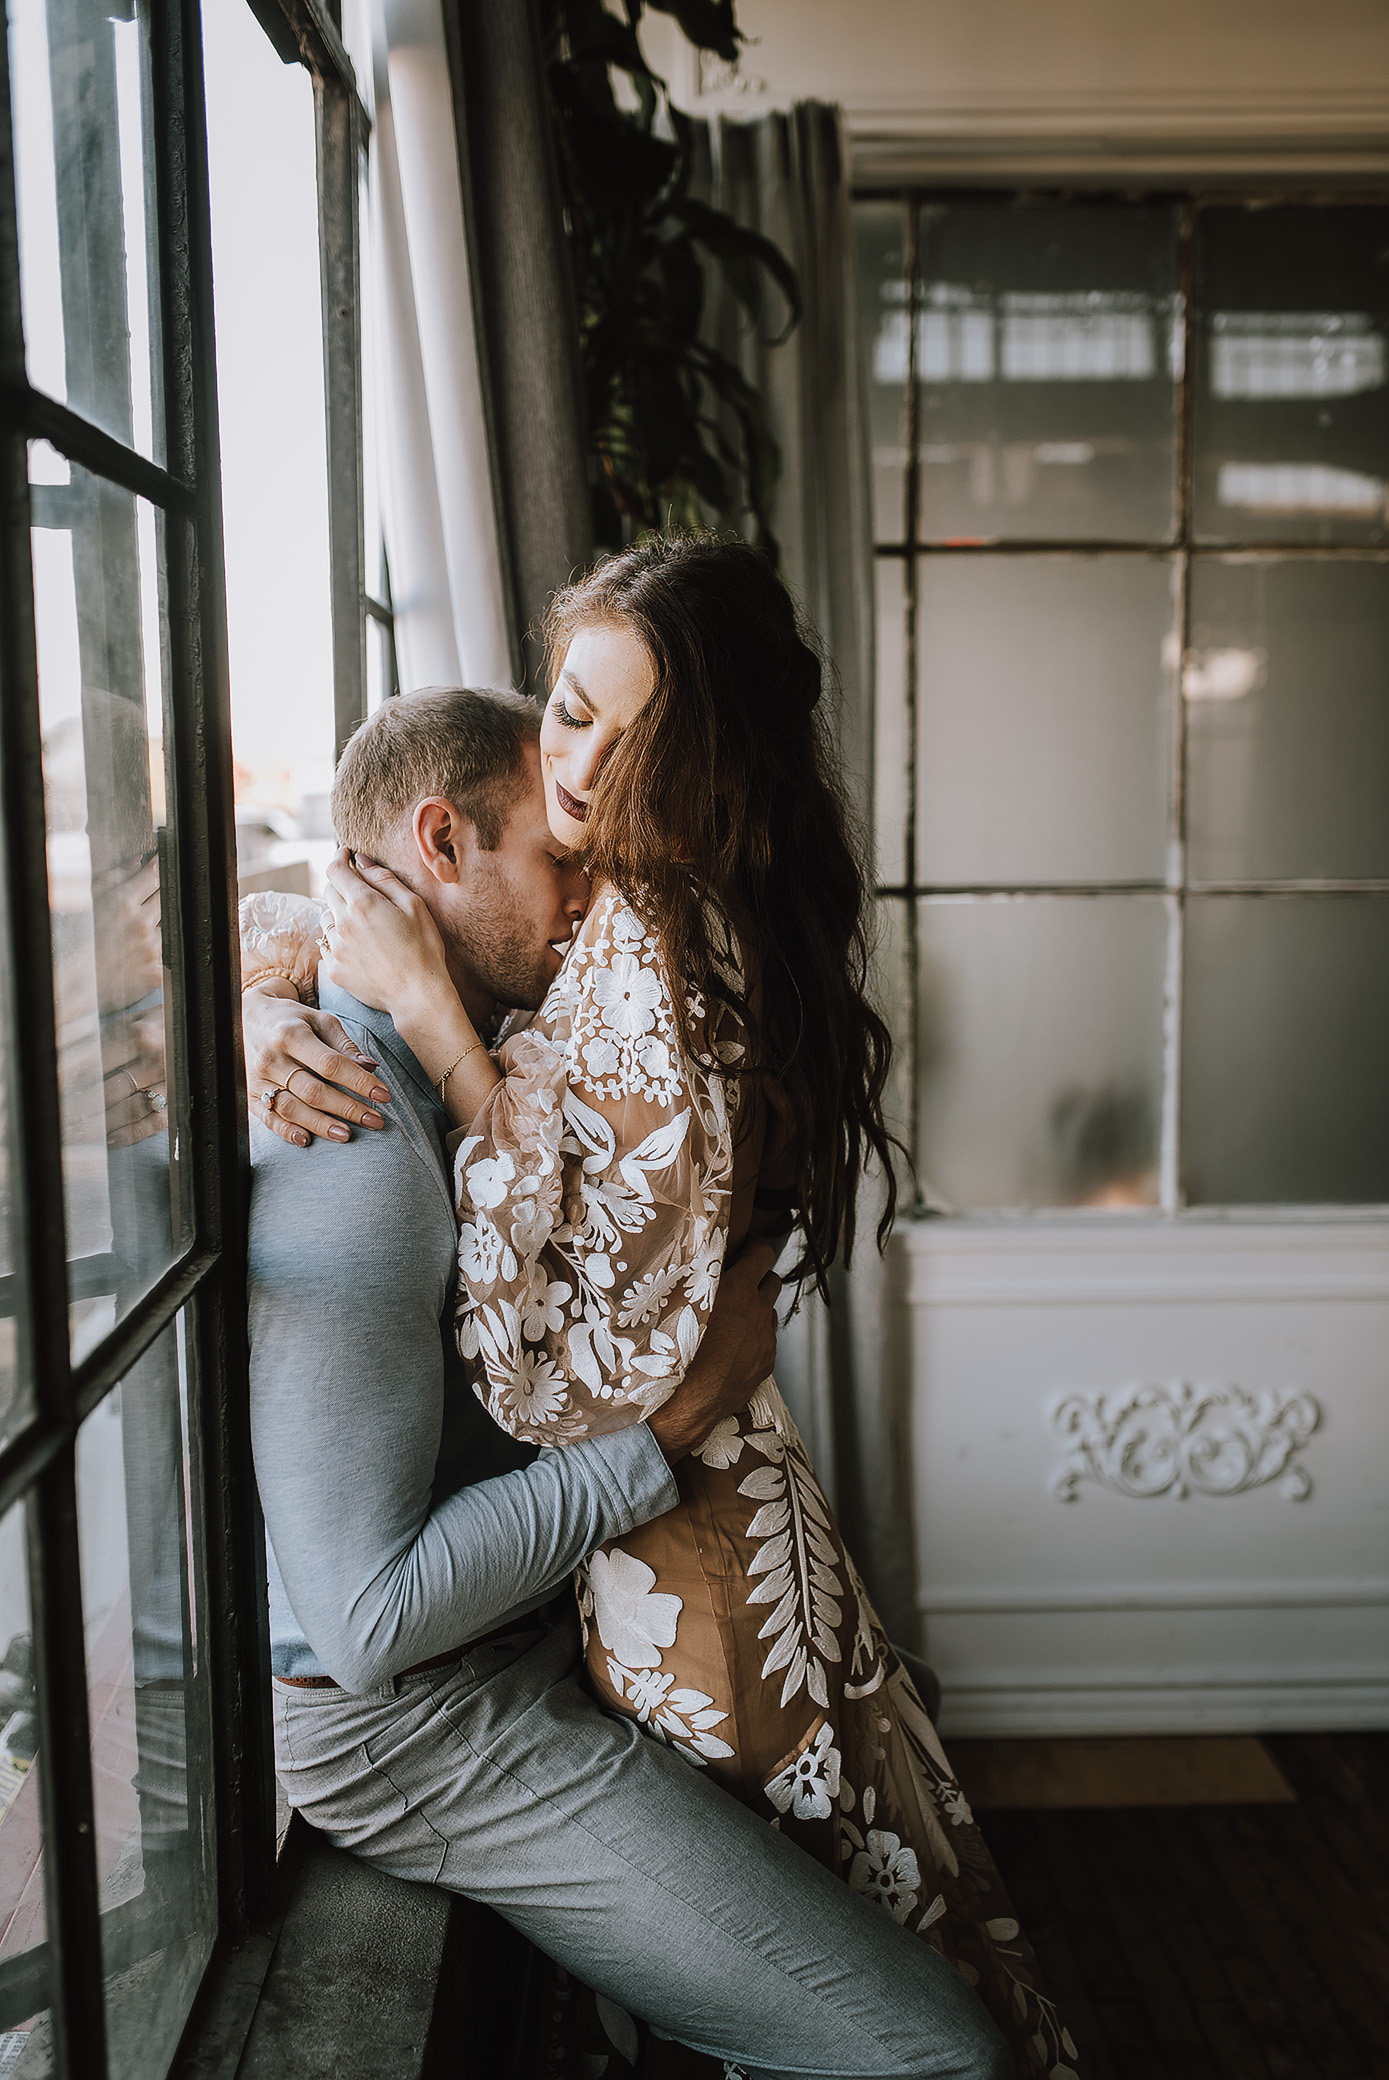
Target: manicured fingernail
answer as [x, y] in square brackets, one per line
[339, 1133]
[366, 1061]
[379, 1095]
[301, 1140]
[372, 1119]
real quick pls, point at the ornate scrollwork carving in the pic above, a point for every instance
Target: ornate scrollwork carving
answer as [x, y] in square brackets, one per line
[1181, 1439]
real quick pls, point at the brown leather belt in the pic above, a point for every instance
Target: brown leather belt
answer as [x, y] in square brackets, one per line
[421, 1668]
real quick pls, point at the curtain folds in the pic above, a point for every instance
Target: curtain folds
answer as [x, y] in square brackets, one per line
[453, 623]
[787, 176]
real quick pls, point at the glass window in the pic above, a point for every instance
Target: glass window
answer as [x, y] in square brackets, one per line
[148, 1720]
[891, 747]
[1285, 1015]
[885, 330]
[1047, 351]
[1292, 390]
[1287, 696]
[79, 89]
[16, 1397]
[270, 391]
[25, 2031]
[1183, 707]
[1040, 1045]
[1044, 718]
[97, 584]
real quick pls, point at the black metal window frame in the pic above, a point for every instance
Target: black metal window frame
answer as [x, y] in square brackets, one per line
[206, 1282]
[1182, 545]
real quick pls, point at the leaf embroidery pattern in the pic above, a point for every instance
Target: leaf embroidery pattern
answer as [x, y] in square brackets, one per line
[683, 1718]
[796, 1566]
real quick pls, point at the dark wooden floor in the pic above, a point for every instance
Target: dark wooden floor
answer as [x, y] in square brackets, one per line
[1219, 1942]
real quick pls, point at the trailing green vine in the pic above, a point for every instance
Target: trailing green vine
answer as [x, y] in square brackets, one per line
[675, 431]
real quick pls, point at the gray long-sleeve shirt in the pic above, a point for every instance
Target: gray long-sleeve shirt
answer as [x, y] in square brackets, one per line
[401, 1520]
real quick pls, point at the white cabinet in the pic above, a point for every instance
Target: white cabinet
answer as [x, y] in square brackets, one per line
[1213, 1398]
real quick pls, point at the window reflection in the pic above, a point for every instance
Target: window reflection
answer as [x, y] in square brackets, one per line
[1295, 354]
[1047, 349]
[25, 2035]
[1286, 1032]
[1041, 1050]
[1287, 720]
[1044, 718]
[1292, 375]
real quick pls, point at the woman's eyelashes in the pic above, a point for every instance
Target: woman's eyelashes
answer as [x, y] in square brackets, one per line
[563, 714]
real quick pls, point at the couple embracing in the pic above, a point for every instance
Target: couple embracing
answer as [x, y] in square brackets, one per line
[590, 992]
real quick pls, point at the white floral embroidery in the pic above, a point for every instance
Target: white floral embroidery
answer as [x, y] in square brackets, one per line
[807, 1787]
[723, 1447]
[884, 1871]
[593, 1196]
[796, 1566]
[681, 1717]
[634, 1624]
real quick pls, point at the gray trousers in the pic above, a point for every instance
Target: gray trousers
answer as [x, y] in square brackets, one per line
[501, 1779]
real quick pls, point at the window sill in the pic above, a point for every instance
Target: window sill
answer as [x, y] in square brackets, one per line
[361, 1973]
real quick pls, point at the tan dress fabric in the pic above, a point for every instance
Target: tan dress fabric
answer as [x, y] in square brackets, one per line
[594, 1193]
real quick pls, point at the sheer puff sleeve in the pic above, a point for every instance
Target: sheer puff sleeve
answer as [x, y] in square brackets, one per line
[279, 937]
[593, 1195]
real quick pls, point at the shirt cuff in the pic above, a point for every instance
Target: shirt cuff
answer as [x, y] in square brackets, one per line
[633, 1470]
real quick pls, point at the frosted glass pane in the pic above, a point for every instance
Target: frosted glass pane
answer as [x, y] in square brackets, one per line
[1041, 1050]
[1292, 374]
[1285, 1099]
[890, 761]
[1046, 343]
[1287, 694]
[1044, 705]
[883, 331]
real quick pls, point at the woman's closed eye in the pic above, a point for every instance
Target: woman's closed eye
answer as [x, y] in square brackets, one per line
[566, 716]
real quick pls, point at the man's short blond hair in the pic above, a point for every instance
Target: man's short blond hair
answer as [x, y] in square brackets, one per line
[446, 740]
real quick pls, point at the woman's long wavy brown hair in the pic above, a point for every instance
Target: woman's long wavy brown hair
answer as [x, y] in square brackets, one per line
[725, 785]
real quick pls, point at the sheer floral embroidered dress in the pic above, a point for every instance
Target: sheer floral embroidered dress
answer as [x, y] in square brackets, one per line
[598, 1191]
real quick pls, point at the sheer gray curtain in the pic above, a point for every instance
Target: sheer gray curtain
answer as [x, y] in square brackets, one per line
[788, 177]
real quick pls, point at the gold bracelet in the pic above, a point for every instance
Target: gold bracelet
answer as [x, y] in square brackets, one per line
[478, 1045]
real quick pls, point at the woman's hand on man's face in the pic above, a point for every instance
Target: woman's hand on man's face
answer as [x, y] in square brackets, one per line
[304, 1061]
[382, 945]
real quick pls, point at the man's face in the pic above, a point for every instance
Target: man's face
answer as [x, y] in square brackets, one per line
[511, 914]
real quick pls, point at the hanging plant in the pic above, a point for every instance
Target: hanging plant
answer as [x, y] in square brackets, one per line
[675, 430]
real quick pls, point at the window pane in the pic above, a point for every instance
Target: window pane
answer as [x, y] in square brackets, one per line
[1041, 1050]
[890, 757]
[891, 993]
[149, 1757]
[1286, 1034]
[16, 1397]
[79, 91]
[274, 446]
[1046, 349]
[1043, 718]
[97, 579]
[1287, 692]
[26, 2044]
[1292, 377]
[884, 332]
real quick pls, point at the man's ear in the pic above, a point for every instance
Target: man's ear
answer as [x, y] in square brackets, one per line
[444, 839]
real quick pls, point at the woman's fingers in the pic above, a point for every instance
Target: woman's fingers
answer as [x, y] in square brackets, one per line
[279, 1123]
[301, 1049]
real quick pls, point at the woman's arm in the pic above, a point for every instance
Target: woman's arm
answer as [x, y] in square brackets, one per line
[385, 948]
[301, 1058]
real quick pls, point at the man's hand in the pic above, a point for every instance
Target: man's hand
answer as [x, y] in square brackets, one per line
[738, 1352]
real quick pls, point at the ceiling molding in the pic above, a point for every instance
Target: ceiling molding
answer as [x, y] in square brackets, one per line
[1194, 132]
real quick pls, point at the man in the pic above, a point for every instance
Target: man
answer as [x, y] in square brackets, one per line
[419, 1557]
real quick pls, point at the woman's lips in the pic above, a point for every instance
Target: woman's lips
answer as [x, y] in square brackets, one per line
[578, 810]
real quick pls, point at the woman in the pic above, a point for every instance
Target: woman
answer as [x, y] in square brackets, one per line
[704, 1067]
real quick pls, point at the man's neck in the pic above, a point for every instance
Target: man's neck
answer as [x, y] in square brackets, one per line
[479, 1003]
